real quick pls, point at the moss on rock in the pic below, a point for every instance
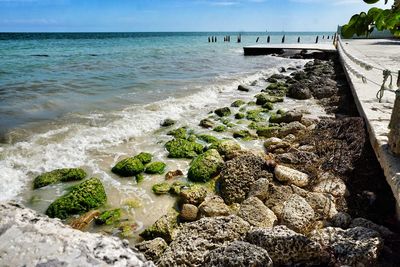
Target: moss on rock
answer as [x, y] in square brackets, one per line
[181, 148]
[139, 177]
[270, 131]
[177, 187]
[223, 112]
[238, 103]
[256, 114]
[59, 175]
[208, 138]
[83, 197]
[240, 116]
[264, 98]
[205, 166]
[161, 188]
[225, 147]
[219, 128]
[109, 217]
[144, 157]
[178, 133]
[164, 227]
[156, 167]
[128, 167]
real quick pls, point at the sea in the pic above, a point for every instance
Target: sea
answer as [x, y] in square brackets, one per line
[90, 99]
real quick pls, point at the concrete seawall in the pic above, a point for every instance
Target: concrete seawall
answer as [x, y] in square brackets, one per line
[380, 54]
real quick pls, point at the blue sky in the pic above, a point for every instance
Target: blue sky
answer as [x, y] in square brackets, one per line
[176, 15]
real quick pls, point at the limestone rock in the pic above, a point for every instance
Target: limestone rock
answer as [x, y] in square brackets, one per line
[291, 128]
[164, 227]
[194, 240]
[354, 247]
[172, 174]
[291, 176]
[286, 247]
[259, 189]
[189, 212]
[193, 195]
[286, 117]
[213, 206]
[382, 230]
[152, 249]
[297, 214]
[277, 196]
[334, 186]
[35, 240]
[256, 213]
[239, 254]
[205, 167]
[341, 220]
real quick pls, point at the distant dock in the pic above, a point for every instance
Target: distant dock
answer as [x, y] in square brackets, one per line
[267, 49]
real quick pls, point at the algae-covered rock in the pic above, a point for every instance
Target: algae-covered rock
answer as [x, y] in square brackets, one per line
[223, 112]
[168, 122]
[268, 105]
[152, 249]
[193, 195]
[245, 134]
[219, 128]
[243, 88]
[206, 123]
[240, 116]
[178, 133]
[286, 117]
[208, 138]
[177, 187]
[108, 217]
[265, 98]
[60, 175]
[161, 188]
[128, 167]
[225, 147]
[83, 197]
[181, 148]
[144, 157]
[139, 177]
[238, 103]
[205, 166]
[164, 227]
[268, 131]
[256, 114]
[156, 167]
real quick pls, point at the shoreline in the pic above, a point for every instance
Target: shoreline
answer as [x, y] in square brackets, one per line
[301, 185]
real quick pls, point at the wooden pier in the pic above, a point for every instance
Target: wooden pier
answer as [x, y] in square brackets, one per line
[267, 49]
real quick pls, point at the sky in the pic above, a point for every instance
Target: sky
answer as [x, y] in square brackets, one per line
[176, 15]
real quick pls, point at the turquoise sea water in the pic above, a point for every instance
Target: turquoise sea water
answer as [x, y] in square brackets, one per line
[89, 99]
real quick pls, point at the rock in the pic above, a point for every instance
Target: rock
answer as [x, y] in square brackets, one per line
[59, 175]
[139, 177]
[332, 185]
[213, 206]
[155, 167]
[278, 76]
[238, 103]
[205, 167]
[178, 133]
[193, 195]
[240, 254]
[226, 147]
[206, 123]
[244, 134]
[240, 116]
[168, 122]
[353, 247]
[128, 167]
[291, 128]
[382, 230]
[266, 98]
[87, 195]
[290, 138]
[42, 241]
[220, 128]
[268, 132]
[256, 213]
[172, 174]
[144, 157]
[208, 138]
[286, 247]
[277, 196]
[194, 240]
[244, 88]
[108, 217]
[223, 112]
[84, 220]
[239, 174]
[181, 148]
[291, 176]
[127, 229]
[161, 188]
[189, 212]
[341, 220]
[274, 143]
[286, 117]
[152, 249]
[297, 214]
[259, 189]
[282, 69]
[299, 90]
[177, 187]
[164, 227]
[256, 115]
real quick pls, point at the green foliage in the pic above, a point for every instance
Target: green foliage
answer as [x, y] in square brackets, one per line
[87, 195]
[59, 175]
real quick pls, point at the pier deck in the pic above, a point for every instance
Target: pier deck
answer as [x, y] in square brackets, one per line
[382, 54]
[266, 49]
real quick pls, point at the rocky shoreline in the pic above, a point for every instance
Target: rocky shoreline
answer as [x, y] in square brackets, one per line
[314, 196]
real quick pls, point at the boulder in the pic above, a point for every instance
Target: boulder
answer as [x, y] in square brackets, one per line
[259, 189]
[299, 90]
[266, 98]
[274, 143]
[213, 206]
[167, 123]
[256, 213]
[238, 103]
[59, 175]
[239, 174]
[206, 123]
[220, 128]
[286, 247]
[109, 217]
[152, 249]
[291, 128]
[178, 186]
[341, 220]
[81, 198]
[291, 176]
[182, 148]
[382, 230]
[297, 214]
[194, 240]
[357, 246]
[223, 112]
[178, 133]
[226, 147]
[193, 195]
[208, 138]
[268, 131]
[164, 227]
[84, 220]
[31, 239]
[189, 212]
[155, 167]
[243, 88]
[277, 196]
[128, 167]
[239, 254]
[172, 174]
[161, 188]
[205, 167]
[286, 117]
[331, 185]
